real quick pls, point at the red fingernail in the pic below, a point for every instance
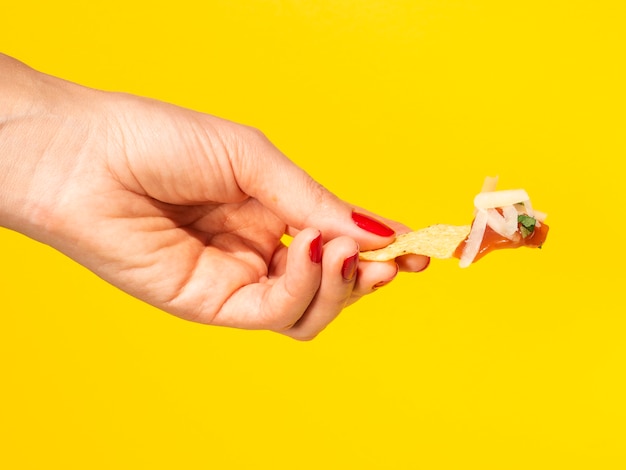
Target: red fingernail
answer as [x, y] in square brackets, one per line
[384, 283]
[371, 225]
[378, 285]
[315, 249]
[348, 270]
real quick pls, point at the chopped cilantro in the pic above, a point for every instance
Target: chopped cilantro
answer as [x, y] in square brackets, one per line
[526, 224]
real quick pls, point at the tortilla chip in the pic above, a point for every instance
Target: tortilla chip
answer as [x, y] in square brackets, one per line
[436, 241]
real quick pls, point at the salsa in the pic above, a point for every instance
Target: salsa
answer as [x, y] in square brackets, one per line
[493, 241]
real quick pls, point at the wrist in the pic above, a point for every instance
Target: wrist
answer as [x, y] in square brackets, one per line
[31, 165]
[19, 210]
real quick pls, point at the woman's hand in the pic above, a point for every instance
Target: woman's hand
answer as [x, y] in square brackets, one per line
[183, 210]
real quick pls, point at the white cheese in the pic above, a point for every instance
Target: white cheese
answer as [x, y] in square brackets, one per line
[489, 184]
[493, 199]
[510, 216]
[540, 216]
[502, 224]
[475, 238]
[499, 211]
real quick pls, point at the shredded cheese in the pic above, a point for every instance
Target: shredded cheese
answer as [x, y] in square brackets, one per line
[475, 238]
[499, 211]
[510, 217]
[493, 199]
[489, 184]
[500, 224]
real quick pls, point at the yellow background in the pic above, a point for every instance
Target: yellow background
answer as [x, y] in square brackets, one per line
[399, 106]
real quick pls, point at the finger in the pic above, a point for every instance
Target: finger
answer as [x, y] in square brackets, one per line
[280, 302]
[297, 199]
[374, 275]
[397, 227]
[413, 263]
[339, 274]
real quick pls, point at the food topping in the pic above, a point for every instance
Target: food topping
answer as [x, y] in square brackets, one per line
[503, 219]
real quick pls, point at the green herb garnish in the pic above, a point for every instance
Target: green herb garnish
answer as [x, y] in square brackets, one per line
[526, 224]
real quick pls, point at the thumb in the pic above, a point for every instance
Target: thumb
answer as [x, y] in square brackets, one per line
[264, 173]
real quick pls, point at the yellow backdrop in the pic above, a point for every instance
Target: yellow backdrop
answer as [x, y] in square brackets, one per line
[517, 362]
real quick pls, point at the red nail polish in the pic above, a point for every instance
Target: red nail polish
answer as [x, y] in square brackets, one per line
[384, 283]
[373, 226]
[380, 284]
[315, 249]
[348, 270]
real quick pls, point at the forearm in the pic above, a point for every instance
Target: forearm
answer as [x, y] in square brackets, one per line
[30, 168]
[14, 166]
[19, 208]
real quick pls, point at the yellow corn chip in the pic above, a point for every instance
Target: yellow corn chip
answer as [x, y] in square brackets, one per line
[436, 241]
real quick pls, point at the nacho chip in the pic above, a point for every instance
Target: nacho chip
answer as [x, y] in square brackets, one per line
[437, 241]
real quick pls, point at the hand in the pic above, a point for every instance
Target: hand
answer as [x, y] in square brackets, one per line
[183, 210]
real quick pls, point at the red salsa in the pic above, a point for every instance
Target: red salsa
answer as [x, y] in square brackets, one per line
[494, 241]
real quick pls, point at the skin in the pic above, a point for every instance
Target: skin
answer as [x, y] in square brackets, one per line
[180, 209]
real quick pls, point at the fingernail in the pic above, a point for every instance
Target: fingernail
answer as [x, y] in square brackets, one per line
[384, 283]
[315, 249]
[378, 285]
[348, 270]
[371, 225]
